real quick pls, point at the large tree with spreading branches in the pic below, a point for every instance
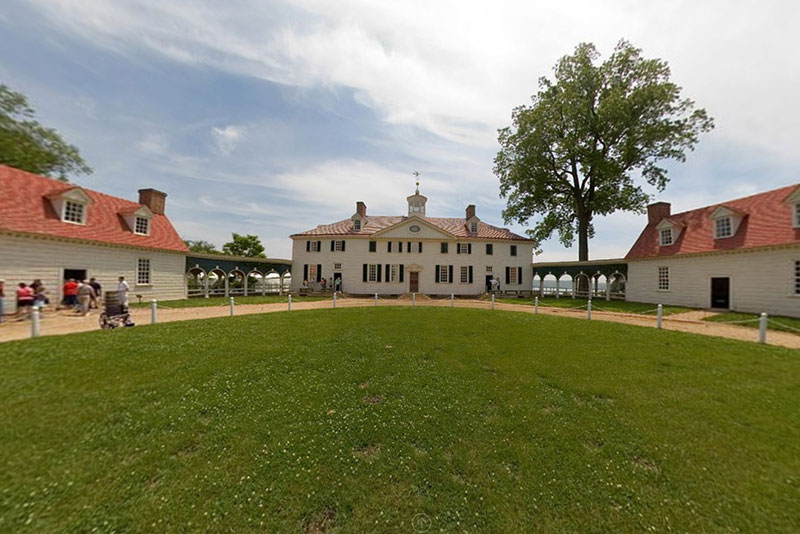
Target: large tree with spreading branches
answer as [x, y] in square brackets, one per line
[588, 136]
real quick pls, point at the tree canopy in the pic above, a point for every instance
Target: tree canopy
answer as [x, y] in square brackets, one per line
[577, 149]
[244, 245]
[201, 246]
[30, 146]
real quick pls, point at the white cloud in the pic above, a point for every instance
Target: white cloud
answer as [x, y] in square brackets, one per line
[226, 139]
[153, 143]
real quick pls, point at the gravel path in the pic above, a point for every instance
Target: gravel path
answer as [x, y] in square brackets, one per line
[54, 323]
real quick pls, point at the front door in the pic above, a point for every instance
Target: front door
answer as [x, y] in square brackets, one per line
[488, 283]
[413, 282]
[721, 293]
[337, 276]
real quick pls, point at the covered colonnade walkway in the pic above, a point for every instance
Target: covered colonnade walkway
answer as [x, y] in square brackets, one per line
[600, 279]
[220, 275]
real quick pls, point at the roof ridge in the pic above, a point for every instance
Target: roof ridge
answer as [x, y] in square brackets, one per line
[724, 202]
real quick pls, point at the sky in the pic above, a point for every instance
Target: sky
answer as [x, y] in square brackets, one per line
[271, 117]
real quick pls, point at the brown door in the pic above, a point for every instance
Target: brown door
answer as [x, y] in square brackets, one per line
[413, 282]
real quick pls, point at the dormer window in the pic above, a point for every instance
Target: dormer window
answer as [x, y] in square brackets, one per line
[473, 227]
[797, 215]
[74, 212]
[666, 237]
[357, 225]
[142, 226]
[723, 228]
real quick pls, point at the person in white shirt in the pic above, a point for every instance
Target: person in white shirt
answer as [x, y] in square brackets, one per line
[123, 288]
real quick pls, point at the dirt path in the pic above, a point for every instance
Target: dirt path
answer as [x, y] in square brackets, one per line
[54, 324]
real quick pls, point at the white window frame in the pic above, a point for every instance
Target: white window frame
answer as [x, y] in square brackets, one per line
[337, 266]
[357, 225]
[797, 215]
[727, 222]
[314, 246]
[488, 268]
[66, 212]
[474, 228]
[663, 280]
[144, 272]
[512, 276]
[393, 270]
[312, 272]
[462, 248]
[138, 222]
[465, 274]
[372, 272]
[666, 237]
[443, 272]
[338, 245]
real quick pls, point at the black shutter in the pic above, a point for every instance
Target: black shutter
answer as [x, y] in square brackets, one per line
[319, 273]
[378, 272]
[444, 248]
[308, 246]
[319, 246]
[364, 278]
[388, 246]
[420, 247]
[373, 245]
[470, 274]
[450, 274]
[332, 242]
[469, 248]
[342, 246]
[519, 275]
[458, 248]
[508, 274]
[408, 246]
[437, 274]
[305, 272]
[388, 278]
[401, 272]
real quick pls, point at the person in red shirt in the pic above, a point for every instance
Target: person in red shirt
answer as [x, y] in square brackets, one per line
[71, 293]
[24, 299]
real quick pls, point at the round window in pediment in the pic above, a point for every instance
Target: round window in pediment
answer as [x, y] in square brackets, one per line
[414, 228]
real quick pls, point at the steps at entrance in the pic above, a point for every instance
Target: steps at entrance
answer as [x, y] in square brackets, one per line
[407, 296]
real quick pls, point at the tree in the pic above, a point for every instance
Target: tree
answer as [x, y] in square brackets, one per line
[201, 246]
[249, 246]
[27, 145]
[575, 151]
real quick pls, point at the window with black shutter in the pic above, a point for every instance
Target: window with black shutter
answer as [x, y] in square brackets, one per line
[364, 277]
[444, 248]
[489, 249]
[389, 246]
[305, 273]
[401, 272]
[373, 246]
[420, 247]
[387, 278]
[319, 272]
[436, 274]
[513, 250]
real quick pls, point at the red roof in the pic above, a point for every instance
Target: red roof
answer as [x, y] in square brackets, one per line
[24, 207]
[766, 221]
[375, 223]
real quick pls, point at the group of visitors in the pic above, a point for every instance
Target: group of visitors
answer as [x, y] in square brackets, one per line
[79, 295]
[336, 284]
[494, 285]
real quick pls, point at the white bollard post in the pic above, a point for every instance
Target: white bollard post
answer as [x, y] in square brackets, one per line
[452, 300]
[659, 315]
[413, 299]
[35, 330]
[290, 303]
[536, 305]
[762, 328]
[492, 300]
[589, 309]
[334, 299]
[232, 305]
[376, 299]
[153, 311]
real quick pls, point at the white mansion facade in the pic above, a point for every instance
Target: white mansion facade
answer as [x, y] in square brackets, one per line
[392, 255]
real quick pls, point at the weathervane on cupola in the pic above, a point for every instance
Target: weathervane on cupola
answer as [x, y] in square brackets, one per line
[416, 202]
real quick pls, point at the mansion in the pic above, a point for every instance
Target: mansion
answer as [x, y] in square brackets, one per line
[393, 255]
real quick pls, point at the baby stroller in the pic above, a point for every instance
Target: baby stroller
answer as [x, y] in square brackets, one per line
[115, 313]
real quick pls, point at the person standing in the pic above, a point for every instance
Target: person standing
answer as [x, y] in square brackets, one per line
[24, 300]
[2, 296]
[123, 288]
[337, 284]
[98, 292]
[85, 294]
[39, 294]
[71, 293]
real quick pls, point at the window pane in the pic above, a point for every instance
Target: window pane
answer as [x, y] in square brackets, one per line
[143, 271]
[663, 278]
[73, 212]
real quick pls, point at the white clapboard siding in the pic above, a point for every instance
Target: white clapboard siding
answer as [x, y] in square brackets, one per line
[760, 281]
[24, 259]
[357, 253]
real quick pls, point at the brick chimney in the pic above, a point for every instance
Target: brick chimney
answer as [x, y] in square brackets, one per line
[658, 211]
[153, 199]
[470, 211]
[361, 208]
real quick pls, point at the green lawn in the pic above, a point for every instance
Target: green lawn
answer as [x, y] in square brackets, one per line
[784, 324]
[225, 301]
[357, 420]
[597, 304]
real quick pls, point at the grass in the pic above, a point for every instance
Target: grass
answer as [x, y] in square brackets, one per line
[775, 323]
[224, 301]
[622, 306]
[358, 420]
